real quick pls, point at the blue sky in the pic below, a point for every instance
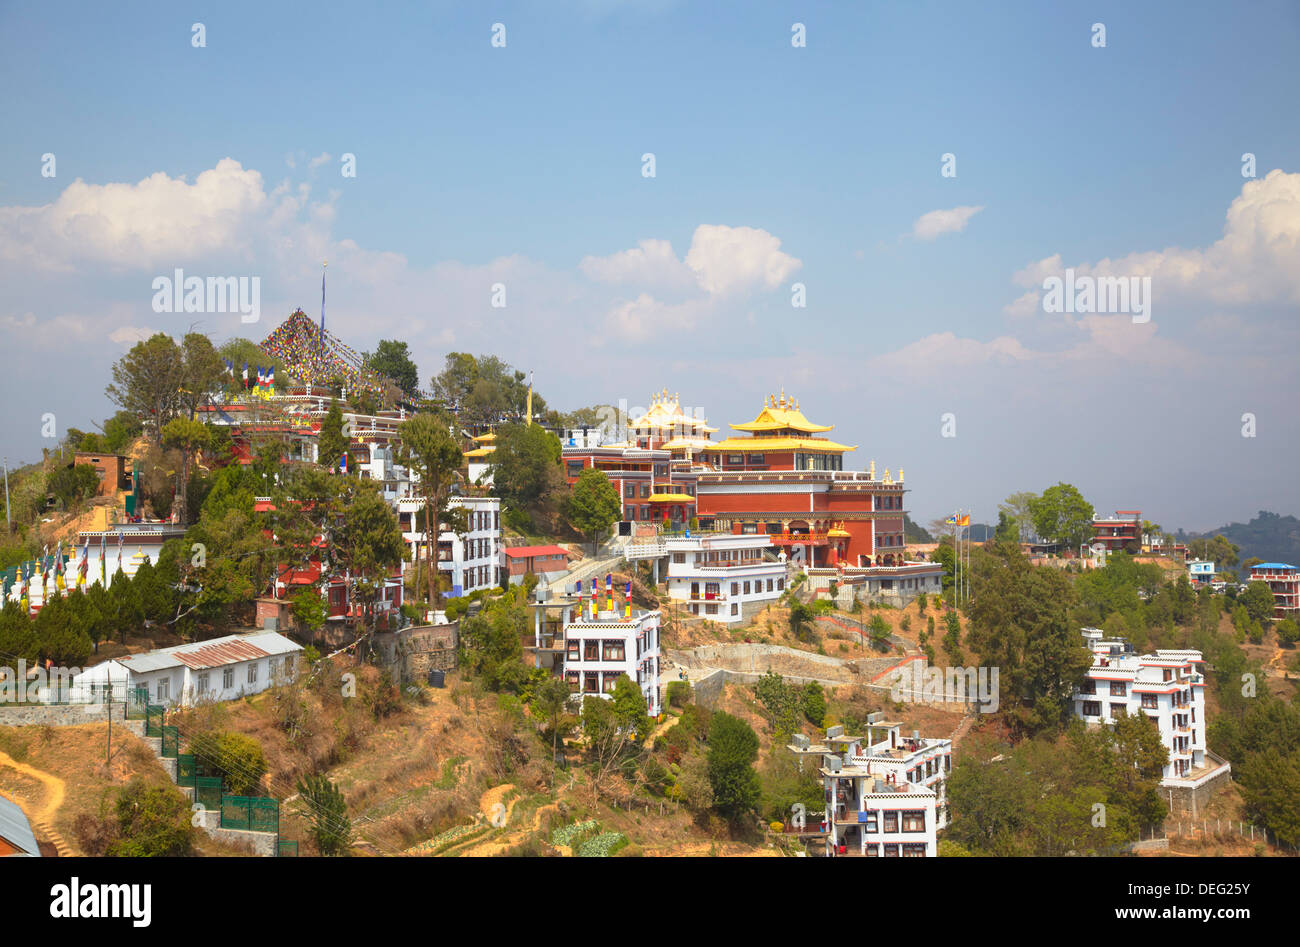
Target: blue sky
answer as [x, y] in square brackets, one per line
[523, 165]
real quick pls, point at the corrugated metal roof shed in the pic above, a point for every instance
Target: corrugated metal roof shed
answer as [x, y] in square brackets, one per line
[15, 828]
[218, 652]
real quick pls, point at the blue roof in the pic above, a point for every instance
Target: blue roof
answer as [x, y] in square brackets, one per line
[1273, 566]
[15, 828]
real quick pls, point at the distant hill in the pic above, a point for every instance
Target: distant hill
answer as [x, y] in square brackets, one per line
[1268, 536]
[913, 533]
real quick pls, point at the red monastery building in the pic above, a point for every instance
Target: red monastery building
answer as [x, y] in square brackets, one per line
[785, 481]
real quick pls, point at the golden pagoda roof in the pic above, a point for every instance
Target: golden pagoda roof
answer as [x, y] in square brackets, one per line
[671, 498]
[666, 412]
[486, 438]
[687, 442]
[780, 415]
[478, 452]
[759, 444]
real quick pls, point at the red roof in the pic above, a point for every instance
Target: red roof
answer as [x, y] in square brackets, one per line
[218, 654]
[521, 552]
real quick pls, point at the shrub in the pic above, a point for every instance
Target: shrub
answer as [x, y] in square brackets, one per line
[237, 758]
[152, 821]
[679, 694]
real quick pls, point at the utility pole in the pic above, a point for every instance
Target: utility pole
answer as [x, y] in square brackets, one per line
[9, 526]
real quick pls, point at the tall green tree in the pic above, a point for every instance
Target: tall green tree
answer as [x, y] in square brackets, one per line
[331, 828]
[594, 505]
[733, 749]
[332, 444]
[1021, 623]
[189, 437]
[147, 381]
[1062, 514]
[392, 359]
[369, 546]
[526, 465]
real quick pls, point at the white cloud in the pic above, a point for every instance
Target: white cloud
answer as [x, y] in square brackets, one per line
[939, 222]
[129, 335]
[319, 160]
[652, 263]
[734, 259]
[153, 222]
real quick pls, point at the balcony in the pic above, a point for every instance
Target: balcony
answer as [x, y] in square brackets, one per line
[708, 596]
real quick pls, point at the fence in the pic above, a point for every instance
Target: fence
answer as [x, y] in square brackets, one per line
[208, 791]
[153, 719]
[253, 813]
[1220, 830]
[171, 743]
[286, 849]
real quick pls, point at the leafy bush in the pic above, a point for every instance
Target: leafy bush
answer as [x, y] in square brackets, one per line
[152, 822]
[568, 834]
[237, 758]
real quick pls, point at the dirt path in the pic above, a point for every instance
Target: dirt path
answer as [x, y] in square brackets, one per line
[42, 819]
[963, 728]
[496, 846]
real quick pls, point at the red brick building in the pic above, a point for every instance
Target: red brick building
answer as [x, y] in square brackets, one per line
[785, 481]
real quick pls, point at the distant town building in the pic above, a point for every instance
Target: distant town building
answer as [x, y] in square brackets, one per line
[113, 470]
[1201, 572]
[1118, 532]
[1283, 580]
[1168, 687]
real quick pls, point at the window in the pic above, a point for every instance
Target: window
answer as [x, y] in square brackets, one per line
[272, 668]
[1117, 710]
[575, 467]
[591, 650]
[228, 678]
[1089, 686]
[571, 678]
[913, 850]
[609, 682]
[203, 683]
[891, 851]
[756, 458]
[575, 652]
[679, 558]
[252, 673]
[914, 821]
[769, 585]
[735, 588]
[780, 584]
[629, 512]
[735, 458]
[629, 490]
[612, 651]
[710, 609]
[645, 490]
[1118, 689]
[1092, 708]
[1150, 702]
[590, 683]
[164, 688]
[873, 822]
[645, 511]
[735, 609]
[891, 822]
[873, 850]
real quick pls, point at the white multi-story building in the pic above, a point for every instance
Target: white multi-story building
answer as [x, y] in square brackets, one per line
[886, 794]
[598, 650]
[472, 561]
[1167, 686]
[723, 576]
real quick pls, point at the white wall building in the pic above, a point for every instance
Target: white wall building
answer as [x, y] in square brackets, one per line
[723, 576]
[472, 561]
[886, 793]
[214, 670]
[1167, 686]
[599, 650]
